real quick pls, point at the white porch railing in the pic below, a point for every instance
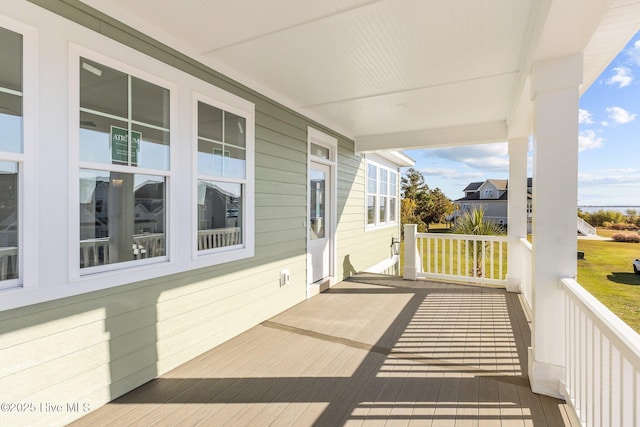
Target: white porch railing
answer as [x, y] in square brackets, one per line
[218, 238]
[602, 362]
[96, 251]
[8, 261]
[585, 228]
[460, 257]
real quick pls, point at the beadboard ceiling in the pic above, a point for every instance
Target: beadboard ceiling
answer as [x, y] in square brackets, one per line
[408, 73]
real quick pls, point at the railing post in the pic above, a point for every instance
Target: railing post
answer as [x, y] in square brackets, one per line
[411, 258]
[517, 211]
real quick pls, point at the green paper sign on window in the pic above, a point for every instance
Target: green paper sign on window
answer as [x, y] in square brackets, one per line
[120, 146]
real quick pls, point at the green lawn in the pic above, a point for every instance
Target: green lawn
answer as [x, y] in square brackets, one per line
[607, 273]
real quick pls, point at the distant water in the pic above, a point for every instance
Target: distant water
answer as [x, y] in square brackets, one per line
[623, 209]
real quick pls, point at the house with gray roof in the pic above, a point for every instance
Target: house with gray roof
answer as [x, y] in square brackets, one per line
[492, 197]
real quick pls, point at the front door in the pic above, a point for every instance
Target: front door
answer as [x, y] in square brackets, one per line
[319, 221]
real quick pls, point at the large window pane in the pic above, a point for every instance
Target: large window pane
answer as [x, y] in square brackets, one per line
[8, 220]
[10, 60]
[122, 217]
[234, 130]
[10, 122]
[219, 214]
[235, 165]
[393, 184]
[383, 182]
[392, 209]
[383, 209]
[372, 176]
[103, 89]
[107, 133]
[209, 122]
[95, 137]
[149, 103]
[218, 156]
[153, 149]
[10, 91]
[371, 209]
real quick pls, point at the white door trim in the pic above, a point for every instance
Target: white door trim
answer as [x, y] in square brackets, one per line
[322, 139]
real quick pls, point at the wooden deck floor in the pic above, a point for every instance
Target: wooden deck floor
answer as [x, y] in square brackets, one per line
[372, 350]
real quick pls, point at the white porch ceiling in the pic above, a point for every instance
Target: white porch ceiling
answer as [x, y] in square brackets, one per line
[393, 74]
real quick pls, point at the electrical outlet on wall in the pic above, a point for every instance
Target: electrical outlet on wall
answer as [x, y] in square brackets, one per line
[285, 277]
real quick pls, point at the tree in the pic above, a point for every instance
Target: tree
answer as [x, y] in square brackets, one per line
[408, 216]
[441, 206]
[474, 223]
[428, 205]
[415, 200]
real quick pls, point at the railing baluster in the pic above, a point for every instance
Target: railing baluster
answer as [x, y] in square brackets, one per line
[444, 256]
[435, 255]
[451, 257]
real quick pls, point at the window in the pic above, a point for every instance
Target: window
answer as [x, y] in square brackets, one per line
[488, 194]
[382, 195]
[11, 155]
[222, 177]
[124, 167]
[372, 193]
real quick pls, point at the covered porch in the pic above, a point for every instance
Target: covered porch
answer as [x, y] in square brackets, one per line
[372, 350]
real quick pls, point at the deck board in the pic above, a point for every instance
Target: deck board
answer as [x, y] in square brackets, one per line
[371, 351]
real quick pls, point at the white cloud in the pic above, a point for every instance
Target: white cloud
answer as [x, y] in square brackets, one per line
[588, 140]
[584, 116]
[448, 173]
[617, 177]
[621, 77]
[634, 52]
[620, 115]
[482, 156]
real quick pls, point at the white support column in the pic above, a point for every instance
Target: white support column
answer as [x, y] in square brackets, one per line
[517, 211]
[555, 94]
[411, 257]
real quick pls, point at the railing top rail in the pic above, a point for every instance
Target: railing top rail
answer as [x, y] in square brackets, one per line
[527, 244]
[96, 240]
[625, 336]
[462, 237]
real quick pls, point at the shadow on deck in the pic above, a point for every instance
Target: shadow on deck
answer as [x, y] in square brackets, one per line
[373, 349]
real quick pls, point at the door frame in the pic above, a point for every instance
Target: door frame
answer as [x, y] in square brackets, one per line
[317, 137]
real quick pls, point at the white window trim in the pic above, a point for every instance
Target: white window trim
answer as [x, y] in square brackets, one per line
[75, 272]
[228, 102]
[50, 61]
[381, 164]
[27, 160]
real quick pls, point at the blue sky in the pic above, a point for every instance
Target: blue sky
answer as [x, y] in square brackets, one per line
[609, 143]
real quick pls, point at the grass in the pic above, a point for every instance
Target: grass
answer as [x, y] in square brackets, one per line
[606, 272]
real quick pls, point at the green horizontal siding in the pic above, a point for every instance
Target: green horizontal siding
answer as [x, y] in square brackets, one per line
[96, 346]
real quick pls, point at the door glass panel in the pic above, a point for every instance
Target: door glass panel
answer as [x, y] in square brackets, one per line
[317, 219]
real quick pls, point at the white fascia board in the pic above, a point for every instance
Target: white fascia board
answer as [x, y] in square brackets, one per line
[435, 137]
[398, 158]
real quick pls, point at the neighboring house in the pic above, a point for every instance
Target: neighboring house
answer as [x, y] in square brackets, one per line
[169, 210]
[491, 196]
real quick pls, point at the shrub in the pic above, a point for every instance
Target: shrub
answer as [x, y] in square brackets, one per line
[621, 226]
[628, 238]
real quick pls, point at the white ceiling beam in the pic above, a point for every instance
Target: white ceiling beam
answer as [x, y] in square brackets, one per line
[436, 137]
